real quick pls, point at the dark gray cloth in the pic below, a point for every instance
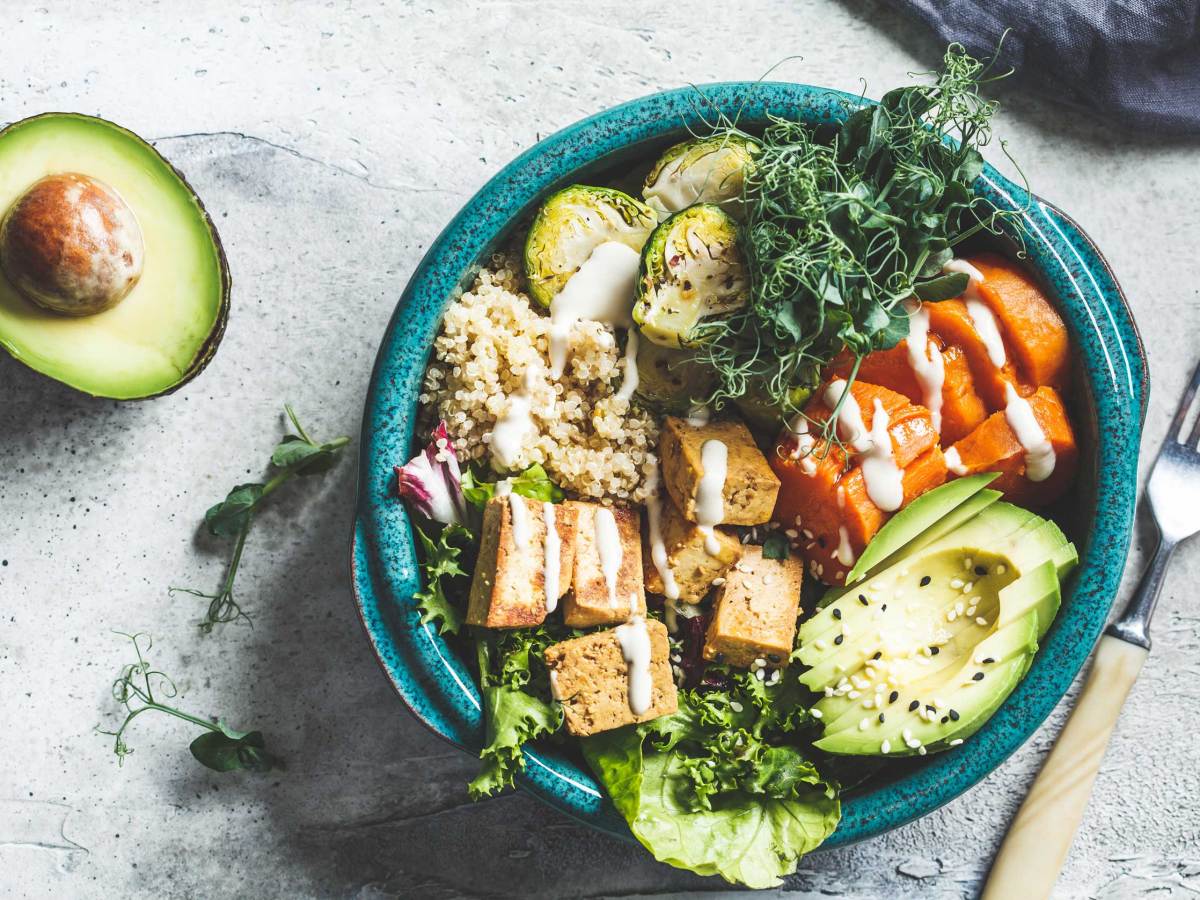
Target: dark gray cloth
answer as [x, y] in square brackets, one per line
[1134, 61]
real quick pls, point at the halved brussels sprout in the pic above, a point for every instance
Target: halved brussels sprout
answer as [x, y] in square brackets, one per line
[692, 270]
[710, 170]
[766, 416]
[671, 380]
[571, 224]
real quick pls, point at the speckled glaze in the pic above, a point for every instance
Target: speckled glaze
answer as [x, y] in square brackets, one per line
[1110, 397]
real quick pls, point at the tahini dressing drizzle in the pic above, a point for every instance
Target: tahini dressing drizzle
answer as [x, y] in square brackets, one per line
[553, 561]
[981, 315]
[925, 360]
[516, 425]
[804, 444]
[954, 462]
[658, 549]
[608, 546]
[1039, 452]
[635, 648]
[602, 290]
[882, 476]
[710, 499]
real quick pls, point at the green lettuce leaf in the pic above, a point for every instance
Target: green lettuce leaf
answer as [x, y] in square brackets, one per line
[533, 483]
[720, 787]
[440, 564]
[511, 717]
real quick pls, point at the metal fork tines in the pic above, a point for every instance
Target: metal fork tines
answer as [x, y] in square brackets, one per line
[1173, 492]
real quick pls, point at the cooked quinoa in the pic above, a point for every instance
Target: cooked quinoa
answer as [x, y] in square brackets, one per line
[591, 442]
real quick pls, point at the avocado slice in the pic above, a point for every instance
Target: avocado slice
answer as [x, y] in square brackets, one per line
[977, 595]
[167, 327]
[936, 714]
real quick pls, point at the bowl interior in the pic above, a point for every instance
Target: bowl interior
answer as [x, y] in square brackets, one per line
[617, 147]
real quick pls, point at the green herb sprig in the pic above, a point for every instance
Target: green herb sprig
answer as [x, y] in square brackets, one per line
[844, 223]
[221, 748]
[296, 455]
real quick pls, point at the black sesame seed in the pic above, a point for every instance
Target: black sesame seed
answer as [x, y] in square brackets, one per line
[925, 581]
[883, 608]
[989, 661]
[930, 707]
[934, 651]
[954, 715]
[881, 719]
[913, 706]
[980, 570]
[837, 613]
[878, 654]
[842, 637]
[978, 676]
[773, 657]
[945, 719]
[893, 696]
[862, 598]
[821, 542]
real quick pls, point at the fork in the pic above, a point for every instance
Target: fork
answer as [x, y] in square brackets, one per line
[1033, 852]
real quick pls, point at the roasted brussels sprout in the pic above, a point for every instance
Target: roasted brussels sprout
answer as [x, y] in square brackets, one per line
[671, 380]
[692, 270]
[765, 416]
[710, 170]
[574, 222]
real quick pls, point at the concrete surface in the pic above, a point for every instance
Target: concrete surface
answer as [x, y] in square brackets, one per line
[331, 141]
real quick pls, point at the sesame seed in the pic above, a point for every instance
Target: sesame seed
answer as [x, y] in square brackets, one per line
[913, 744]
[735, 706]
[862, 725]
[828, 691]
[863, 600]
[958, 608]
[718, 581]
[869, 703]
[839, 639]
[956, 742]
[1001, 569]
[967, 562]
[906, 734]
[883, 608]
[760, 662]
[980, 571]
[854, 695]
[954, 715]
[989, 661]
[978, 676]
[837, 613]
[980, 620]
[820, 644]
[885, 747]
[817, 714]
[968, 587]
[951, 616]
[791, 532]
[914, 705]
[893, 696]
[956, 583]
[925, 581]
[808, 534]
[760, 674]
[921, 750]
[878, 653]
[934, 651]
[881, 719]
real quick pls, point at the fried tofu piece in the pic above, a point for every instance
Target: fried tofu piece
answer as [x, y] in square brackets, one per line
[508, 589]
[607, 586]
[598, 688]
[754, 615]
[689, 563]
[749, 488]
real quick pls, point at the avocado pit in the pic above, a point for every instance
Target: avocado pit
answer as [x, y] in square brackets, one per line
[72, 245]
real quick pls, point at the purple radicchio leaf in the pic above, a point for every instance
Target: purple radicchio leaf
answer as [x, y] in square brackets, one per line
[691, 636]
[432, 481]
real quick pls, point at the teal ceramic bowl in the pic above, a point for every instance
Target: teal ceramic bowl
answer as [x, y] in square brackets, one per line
[1108, 404]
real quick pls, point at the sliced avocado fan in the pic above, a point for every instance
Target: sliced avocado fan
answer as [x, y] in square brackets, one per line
[166, 327]
[919, 653]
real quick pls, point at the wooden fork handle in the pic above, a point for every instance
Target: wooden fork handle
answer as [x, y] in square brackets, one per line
[1032, 854]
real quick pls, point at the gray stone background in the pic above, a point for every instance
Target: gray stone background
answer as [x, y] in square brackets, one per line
[331, 142]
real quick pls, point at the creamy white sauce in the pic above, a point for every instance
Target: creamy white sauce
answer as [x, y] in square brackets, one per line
[844, 553]
[926, 362]
[658, 549]
[981, 315]
[634, 638]
[515, 427]
[504, 487]
[553, 561]
[849, 417]
[608, 546]
[1039, 452]
[629, 383]
[698, 416]
[710, 492]
[554, 685]
[520, 520]
[804, 444]
[954, 462]
[884, 480]
[602, 290]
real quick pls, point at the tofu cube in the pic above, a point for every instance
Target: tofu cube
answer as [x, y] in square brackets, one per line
[607, 586]
[692, 566]
[592, 680]
[754, 615]
[749, 488]
[508, 589]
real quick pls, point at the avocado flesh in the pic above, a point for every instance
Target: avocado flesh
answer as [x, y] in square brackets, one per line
[973, 702]
[168, 327]
[991, 528]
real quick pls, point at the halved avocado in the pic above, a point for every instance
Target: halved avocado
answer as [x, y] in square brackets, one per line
[166, 329]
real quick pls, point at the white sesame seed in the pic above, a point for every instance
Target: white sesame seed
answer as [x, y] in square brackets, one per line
[980, 620]
[956, 583]
[921, 750]
[957, 741]
[854, 695]
[906, 734]
[817, 714]
[828, 691]
[808, 534]
[798, 522]
[913, 743]
[735, 706]
[760, 674]
[718, 581]
[791, 532]
[951, 616]
[885, 747]
[820, 644]
[869, 703]
[968, 587]
[862, 725]
[968, 562]
[760, 661]
[1000, 570]
[958, 608]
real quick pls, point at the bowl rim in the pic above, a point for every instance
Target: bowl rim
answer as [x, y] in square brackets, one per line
[436, 687]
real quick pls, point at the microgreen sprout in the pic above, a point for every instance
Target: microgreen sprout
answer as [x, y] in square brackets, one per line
[297, 454]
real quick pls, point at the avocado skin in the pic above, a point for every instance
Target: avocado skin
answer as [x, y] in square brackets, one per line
[207, 350]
